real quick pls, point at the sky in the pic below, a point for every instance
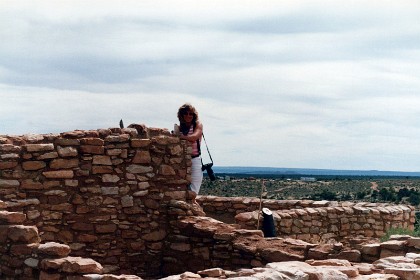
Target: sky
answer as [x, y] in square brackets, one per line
[297, 84]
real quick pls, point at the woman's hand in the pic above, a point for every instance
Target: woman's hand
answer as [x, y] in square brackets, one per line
[197, 134]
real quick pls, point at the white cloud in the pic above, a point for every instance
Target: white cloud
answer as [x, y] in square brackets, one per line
[323, 84]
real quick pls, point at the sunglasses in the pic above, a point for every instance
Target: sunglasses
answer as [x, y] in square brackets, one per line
[188, 114]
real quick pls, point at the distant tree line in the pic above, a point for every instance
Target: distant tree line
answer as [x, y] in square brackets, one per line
[412, 196]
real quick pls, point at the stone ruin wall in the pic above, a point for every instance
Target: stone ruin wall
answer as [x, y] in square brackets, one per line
[103, 192]
[119, 196]
[313, 221]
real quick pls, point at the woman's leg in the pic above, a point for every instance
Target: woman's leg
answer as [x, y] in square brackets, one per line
[196, 177]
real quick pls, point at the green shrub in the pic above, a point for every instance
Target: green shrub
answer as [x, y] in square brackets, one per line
[400, 231]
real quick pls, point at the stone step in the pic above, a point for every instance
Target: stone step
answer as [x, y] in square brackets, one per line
[76, 265]
[11, 218]
[23, 234]
[53, 249]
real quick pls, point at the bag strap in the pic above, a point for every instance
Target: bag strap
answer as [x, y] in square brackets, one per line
[205, 142]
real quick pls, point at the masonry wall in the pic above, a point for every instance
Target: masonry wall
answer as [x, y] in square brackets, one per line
[119, 196]
[313, 221]
[102, 192]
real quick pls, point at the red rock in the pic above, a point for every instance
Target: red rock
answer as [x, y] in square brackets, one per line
[89, 149]
[59, 174]
[8, 164]
[33, 165]
[102, 160]
[92, 141]
[39, 147]
[23, 249]
[109, 228]
[155, 235]
[140, 143]
[31, 185]
[72, 265]
[54, 249]
[25, 234]
[64, 163]
[142, 157]
[12, 218]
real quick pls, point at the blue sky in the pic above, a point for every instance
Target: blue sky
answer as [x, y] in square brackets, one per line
[305, 84]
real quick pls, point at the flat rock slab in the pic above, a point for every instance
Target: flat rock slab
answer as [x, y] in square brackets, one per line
[54, 249]
[11, 218]
[72, 265]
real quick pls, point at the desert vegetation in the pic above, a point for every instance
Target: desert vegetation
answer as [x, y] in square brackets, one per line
[369, 189]
[364, 189]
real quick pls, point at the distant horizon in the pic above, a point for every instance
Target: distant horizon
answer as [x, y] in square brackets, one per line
[311, 171]
[312, 168]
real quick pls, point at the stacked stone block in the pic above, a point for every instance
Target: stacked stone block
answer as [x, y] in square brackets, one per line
[102, 192]
[119, 196]
[23, 257]
[322, 224]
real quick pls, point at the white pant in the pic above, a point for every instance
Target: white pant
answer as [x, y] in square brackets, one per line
[196, 175]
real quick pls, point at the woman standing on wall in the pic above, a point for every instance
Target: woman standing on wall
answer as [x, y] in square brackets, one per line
[192, 130]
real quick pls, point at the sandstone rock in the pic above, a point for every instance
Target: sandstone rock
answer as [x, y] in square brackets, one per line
[64, 163]
[301, 270]
[329, 262]
[39, 147]
[395, 262]
[108, 228]
[102, 160]
[92, 141]
[31, 262]
[127, 201]
[7, 164]
[390, 253]
[212, 272]
[404, 273]
[371, 249]
[108, 178]
[10, 148]
[67, 142]
[166, 170]
[142, 157]
[110, 277]
[393, 245]
[31, 185]
[140, 143]
[59, 174]
[23, 249]
[11, 218]
[135, 168]
[109, 190]
[274, 274]
[377, 276]
[413, 242]
[9, 183]
[90, 149]
[72, 265]
[33, 165]
[25, 234]
[350, 255]
[279, 254]
[321, 251]
[101, 169]
[117, 138]
[54, 249]
[155, 235]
